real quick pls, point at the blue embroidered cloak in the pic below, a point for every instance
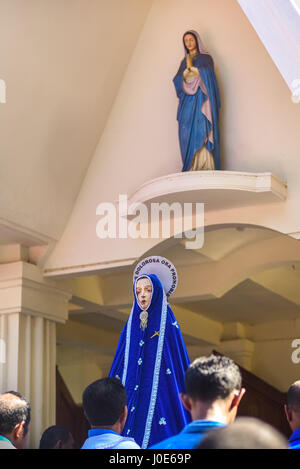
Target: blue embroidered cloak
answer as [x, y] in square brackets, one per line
[152, 369]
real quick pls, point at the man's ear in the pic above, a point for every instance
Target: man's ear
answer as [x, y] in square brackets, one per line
[288, 413]
[58, 445]
[19, 430]
[237, 396]
[186, 401]
[123, 416]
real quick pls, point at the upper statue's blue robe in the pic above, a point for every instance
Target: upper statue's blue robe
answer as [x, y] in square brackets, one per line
[152, 367]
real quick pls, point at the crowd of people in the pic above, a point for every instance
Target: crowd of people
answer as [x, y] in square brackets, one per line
[213, 392]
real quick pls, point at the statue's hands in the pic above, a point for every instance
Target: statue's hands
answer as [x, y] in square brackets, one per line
[190, 74]
[185, 73]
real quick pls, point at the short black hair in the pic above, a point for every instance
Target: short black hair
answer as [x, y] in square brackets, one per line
[13, 412]
[103, 401]
[212, 377]
[244, 433]
[293, 396]
[52, 435]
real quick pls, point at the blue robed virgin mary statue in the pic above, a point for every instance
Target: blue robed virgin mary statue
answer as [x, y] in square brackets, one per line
[151, 359]
[198, 110]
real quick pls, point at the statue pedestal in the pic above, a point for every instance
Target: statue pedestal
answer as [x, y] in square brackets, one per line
[218, 190]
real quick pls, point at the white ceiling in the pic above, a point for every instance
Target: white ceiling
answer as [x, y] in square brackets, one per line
[63, 62]
[268, 295]
[248, 303]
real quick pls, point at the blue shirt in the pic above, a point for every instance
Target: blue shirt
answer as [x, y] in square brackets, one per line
[102, 438]
[5, 443]
[190, 436]
[295, 439]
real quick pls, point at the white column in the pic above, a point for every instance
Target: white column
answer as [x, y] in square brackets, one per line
[30, 307]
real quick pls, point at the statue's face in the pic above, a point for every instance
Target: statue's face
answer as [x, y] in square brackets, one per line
[144, 292]
[190, 43]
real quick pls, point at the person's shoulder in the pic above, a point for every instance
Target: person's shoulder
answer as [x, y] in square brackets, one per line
[99, 441]
[173, 442]
[296, 446]
[90, 443]
[127, 443]
[6, 445]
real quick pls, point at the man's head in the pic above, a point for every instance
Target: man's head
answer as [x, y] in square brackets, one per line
[213, 389]
[292, 409]
[14, 418]
[244, 433]
[57, 437]
[104, 404]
